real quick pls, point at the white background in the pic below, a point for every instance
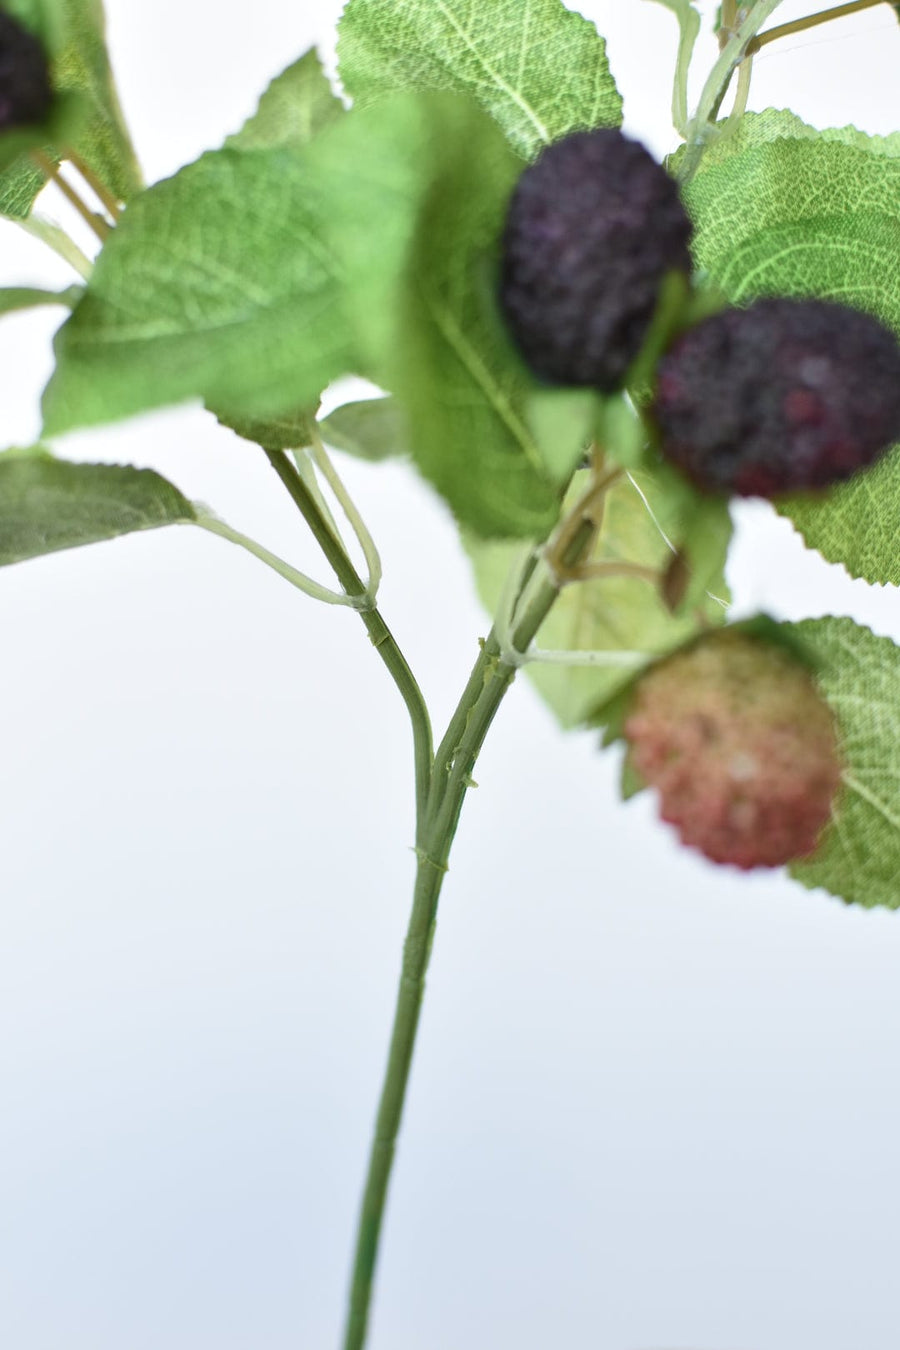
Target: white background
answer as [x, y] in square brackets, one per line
[654, 1104]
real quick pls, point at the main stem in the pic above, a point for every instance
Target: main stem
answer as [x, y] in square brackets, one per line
[450, 781]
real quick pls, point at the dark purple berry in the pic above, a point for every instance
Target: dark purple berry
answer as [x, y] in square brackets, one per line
[25, 93]
[781, 396]
[593, 227]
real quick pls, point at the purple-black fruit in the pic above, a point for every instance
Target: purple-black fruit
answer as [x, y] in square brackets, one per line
[592, 229]
[25, 93]
[784, 395]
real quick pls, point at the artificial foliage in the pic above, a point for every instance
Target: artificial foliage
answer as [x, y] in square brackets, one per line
[585, 352]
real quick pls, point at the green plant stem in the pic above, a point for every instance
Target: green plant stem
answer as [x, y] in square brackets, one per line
[716, 86]
[727, 20]
[490, 679]
[381, 636]
[348, 506]
[810, 21]
[207, 521]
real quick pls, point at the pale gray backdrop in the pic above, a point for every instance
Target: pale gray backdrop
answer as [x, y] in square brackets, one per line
[655, 1104]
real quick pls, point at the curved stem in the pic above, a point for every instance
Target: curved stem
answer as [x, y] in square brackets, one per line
[207, 521]
[382, 638]
[348, 506]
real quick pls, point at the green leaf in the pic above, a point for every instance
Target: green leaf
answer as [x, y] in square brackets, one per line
[373, 429]
[27, 297]
[413, 194]
[297, 104]
[561, 422]
[612, 614]
[858, 857]
[47, 504]
[216, 284]
[82, 66]
[856, 524]
[295, 107]
[781, 209]
[87, 117]
[538, 68]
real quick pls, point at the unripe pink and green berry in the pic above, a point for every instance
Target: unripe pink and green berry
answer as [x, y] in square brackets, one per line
[741, 747]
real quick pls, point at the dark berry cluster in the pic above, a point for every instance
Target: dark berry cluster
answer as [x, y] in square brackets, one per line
[593, 226]
[25, 94]
[782, 395]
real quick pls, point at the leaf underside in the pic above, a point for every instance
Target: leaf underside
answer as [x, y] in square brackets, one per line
[47, 504]
[858, 858]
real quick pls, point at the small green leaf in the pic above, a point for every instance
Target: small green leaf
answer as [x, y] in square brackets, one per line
[48, 504]
[216, 285]
[562, 422]
[538, 68]
[28, 297]
[82, 67]
[858, 857]
[373, 429]
[296, 105]
[781, 209]
[614, 613]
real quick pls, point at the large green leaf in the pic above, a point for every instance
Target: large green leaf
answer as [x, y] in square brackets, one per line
[539, 69]
[252, 280]
[217, 285]
[75, 33]
[297, 104]
[780, 209]
[414, 194]
[295, 107]
[858, 857]
[642, 522]
[48, 504]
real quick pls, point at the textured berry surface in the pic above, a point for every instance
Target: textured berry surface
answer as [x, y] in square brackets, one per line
[593, 226]
[782, 396]
[742, 748]
[25, 94]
